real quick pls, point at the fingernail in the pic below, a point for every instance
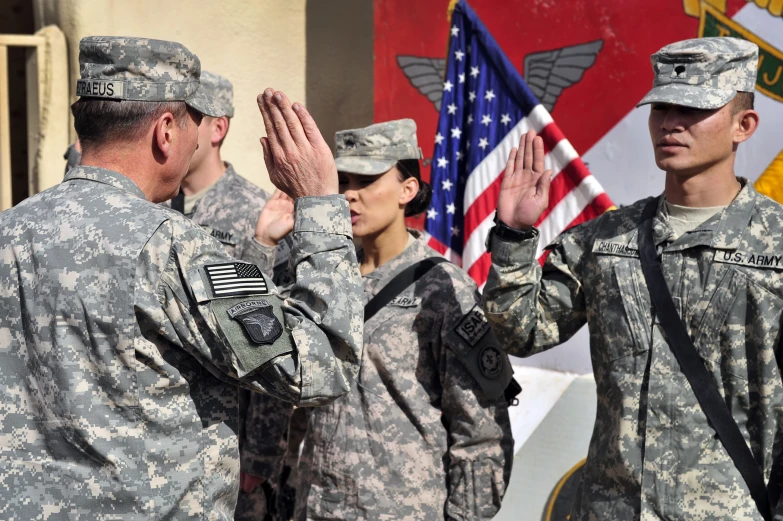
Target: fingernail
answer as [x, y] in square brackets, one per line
[297, 106]
[278, 97]
[268, 93]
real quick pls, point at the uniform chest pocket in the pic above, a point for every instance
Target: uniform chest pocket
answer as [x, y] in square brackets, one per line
[740, 326]
[620, 320]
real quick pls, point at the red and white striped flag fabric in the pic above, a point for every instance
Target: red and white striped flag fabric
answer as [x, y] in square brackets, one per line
[486, 108]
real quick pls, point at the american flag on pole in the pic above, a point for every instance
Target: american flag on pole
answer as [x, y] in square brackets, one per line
[486, 107]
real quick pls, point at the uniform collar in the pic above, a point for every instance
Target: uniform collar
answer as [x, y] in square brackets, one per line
[413, 252]
[219, 187]
[104, 176]
[230, 173]
[722, 231]
[228, 177]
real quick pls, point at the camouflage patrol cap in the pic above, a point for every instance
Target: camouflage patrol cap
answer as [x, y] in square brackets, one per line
[703, 73]
[376, 149]
[219, 89]
[141, 69]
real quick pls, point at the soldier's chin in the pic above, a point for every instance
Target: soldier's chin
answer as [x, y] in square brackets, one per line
[668, 163]
[359, 230]
[678, 168]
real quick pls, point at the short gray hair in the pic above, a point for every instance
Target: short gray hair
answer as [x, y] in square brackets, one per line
[99, 122]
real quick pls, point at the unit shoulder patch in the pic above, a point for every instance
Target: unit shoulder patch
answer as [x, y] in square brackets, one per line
[475, 345]
[751, 260]
[235, 279]
[491, 362]
[258, 320]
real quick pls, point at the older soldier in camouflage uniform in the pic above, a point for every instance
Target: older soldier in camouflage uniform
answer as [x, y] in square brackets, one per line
[653, 454]
[424, 434]
[126, 330]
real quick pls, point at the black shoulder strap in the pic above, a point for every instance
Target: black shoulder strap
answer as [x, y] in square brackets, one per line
[178, 202]
[396, 285]
[690, 361]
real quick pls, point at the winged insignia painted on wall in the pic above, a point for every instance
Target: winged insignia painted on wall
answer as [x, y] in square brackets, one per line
[547, 73]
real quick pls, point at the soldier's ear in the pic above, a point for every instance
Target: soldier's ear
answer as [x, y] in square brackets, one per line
[164, 133]
[747, 123]
[219, 130]
[410, 187]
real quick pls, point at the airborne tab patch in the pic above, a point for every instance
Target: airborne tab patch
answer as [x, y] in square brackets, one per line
[235, 279]
[750, 260]
[473, 326]
[258, 320]
[615, 248]
[100, 88]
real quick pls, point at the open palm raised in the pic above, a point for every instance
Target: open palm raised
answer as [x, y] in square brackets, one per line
[524, 192]
[276, 219]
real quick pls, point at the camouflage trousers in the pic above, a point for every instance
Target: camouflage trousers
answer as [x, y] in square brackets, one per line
[254, 506]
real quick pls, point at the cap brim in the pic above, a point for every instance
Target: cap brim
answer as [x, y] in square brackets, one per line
[693, 96]
[205, 104]
[363, 165]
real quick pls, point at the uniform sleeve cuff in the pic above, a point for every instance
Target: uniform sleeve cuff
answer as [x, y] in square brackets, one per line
[513, 252]
[322, 214]
[262, 255]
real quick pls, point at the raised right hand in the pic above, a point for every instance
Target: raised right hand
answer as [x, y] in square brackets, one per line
[276, 219]
[524, 192]
[299, 161]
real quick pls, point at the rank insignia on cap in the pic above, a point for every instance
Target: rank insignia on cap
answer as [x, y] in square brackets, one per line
[258, 319]
[490, 362]
[235, 279]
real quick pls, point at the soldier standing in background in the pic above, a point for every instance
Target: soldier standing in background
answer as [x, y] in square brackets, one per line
[424, 433]
[718, 245]
[125, 330]
[229, 208]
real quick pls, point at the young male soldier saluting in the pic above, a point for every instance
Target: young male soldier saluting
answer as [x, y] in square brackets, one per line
[654, 454]
[125, 330]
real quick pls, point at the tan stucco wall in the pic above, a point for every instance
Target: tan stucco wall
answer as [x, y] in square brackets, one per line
[255, 43]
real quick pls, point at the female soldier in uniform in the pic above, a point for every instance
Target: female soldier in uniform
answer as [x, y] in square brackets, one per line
[424, 435]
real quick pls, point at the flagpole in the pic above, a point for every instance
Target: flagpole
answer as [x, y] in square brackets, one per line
[449, 12]
[452, 5]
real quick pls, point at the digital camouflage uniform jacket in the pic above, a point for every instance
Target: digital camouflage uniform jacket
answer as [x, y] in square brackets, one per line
[119, 365]
[653, 454]
[229, 211]
[415, 439]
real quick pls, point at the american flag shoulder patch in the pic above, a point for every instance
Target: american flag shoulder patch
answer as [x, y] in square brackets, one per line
[235, 279]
